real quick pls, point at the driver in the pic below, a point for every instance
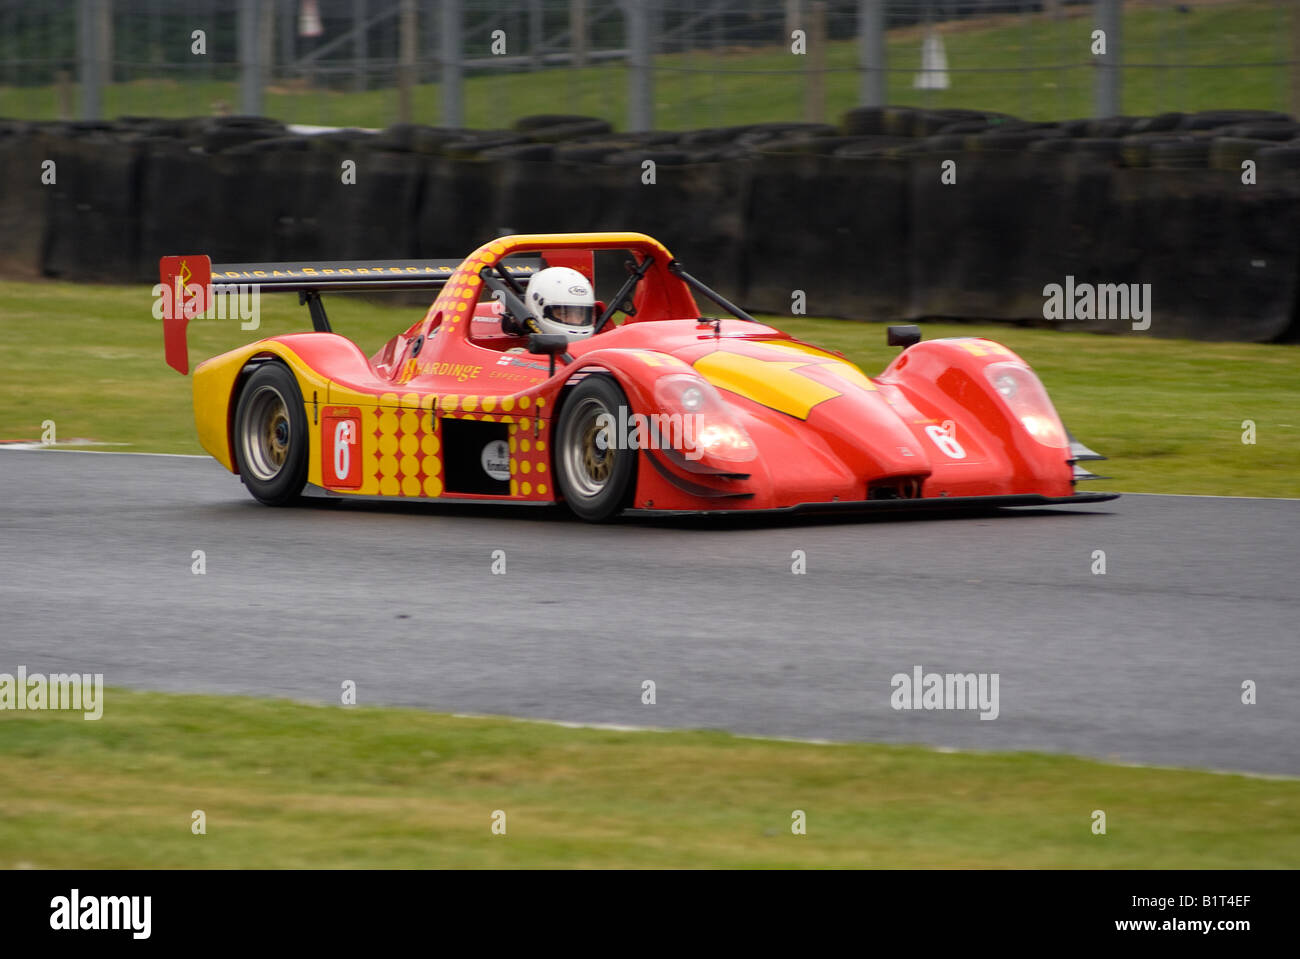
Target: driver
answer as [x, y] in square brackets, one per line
[561, 300]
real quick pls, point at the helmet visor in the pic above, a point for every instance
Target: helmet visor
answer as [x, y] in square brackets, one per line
[570, 315]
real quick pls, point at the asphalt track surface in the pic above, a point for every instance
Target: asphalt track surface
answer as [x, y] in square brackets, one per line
[1142, 664]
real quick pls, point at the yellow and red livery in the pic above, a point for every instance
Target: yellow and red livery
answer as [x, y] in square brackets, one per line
[665, 411]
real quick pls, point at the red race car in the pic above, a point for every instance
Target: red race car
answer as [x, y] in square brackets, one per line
[520, 386]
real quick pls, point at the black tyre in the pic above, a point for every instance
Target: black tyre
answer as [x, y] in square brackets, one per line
[1108, 148]
[1228, 153]
[1279, 130]
[271, 436]
[596, 483]
[1279, 159]
[1160, 123]
[865, 120]
[659, 156]
[1183, 153]
[542, 120]
[520, 151]
[930, 122]
[471, 147]
[564, 132]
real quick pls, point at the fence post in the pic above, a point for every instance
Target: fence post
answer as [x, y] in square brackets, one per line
[535, 35]
[640, 84]
[814, 106]
[360, 53]
[408, 41]
[453, 94]
[578, 33]
[288, 36]
[1106, 93]
[793, 19]
[872, 78]
[1295, 62]
[265, 44]
[250, 56]
[95, 43]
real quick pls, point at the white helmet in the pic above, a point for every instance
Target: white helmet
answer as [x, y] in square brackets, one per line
[562, 301]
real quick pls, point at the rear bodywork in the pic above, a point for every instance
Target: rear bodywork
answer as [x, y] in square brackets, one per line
[948, 423]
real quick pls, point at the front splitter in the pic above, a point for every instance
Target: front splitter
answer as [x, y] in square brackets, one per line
[929, 504]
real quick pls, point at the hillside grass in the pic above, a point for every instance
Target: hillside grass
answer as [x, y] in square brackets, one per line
[1027, 65]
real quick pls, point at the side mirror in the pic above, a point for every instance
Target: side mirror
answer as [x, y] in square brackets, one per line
[549, 344]
[903, 336]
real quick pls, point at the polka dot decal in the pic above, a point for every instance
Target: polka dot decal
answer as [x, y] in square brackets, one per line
[403, 448]
[403, 457]
[529, 464]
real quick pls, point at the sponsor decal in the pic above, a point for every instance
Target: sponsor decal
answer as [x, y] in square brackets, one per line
[457, 371]
[508, 359]
[495, 460]
[293, 272]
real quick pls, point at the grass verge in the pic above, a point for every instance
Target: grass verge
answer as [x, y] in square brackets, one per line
[289, 785]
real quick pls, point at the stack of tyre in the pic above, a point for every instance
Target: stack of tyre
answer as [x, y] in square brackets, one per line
[1211, 139]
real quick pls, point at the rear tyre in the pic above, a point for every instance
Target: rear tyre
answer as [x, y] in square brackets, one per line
[271, 436]
[596, 483]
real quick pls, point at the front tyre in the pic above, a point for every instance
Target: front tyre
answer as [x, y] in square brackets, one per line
[271, 436]
[596, 483]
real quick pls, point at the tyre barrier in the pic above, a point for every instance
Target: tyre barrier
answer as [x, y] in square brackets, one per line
[834, 227]
[92, 211]
[24, 203]
[859, 217]
[1220, 256]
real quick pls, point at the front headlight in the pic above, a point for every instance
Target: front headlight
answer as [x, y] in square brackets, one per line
[1024, 395]
[692, 399]
[1005, 384]
[725, 440]
[706, 426]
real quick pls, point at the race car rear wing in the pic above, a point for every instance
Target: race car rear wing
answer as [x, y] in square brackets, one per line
[187, 284]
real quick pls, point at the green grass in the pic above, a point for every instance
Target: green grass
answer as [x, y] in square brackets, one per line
[748, 86]
[287, 785]
[1169, 413]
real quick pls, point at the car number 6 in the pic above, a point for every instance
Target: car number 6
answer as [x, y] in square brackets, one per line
[344, 437]
[946, 442]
